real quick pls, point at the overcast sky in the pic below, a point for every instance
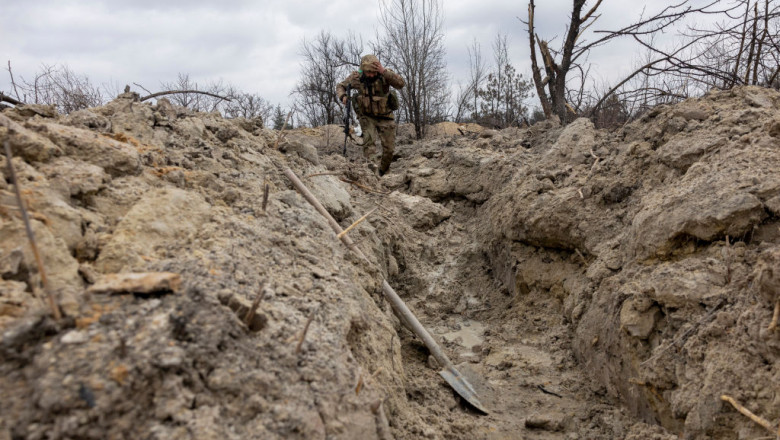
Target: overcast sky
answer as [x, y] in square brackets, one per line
[255, 45]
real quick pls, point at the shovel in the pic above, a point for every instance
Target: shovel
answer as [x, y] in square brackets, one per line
[450, 374]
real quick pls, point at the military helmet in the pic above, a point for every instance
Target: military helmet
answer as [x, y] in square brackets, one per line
[367, 63]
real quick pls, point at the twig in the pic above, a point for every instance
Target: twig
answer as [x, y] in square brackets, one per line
[596, 162]
[546, 391]
[250, 314]
[359, 221]
[13, 83]
[363, 187]
[775, 317]
[281, 133]
[266, 188]
[746, 412]
[305, 330]
[332, 173]
[55, 310]
[142, 87]
[584, 260]
[359, 384]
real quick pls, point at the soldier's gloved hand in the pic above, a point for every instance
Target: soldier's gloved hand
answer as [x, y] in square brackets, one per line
[378, 67]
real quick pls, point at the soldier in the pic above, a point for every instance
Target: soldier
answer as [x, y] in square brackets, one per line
[374, 105]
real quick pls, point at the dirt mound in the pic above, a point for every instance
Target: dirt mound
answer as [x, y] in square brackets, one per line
[590, 284]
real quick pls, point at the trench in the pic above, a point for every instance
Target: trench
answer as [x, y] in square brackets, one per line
[504, 330]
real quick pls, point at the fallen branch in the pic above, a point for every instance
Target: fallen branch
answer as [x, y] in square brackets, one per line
[6, 98]
[55, 310]
[353, 225]
[746, 412]
[175, 92]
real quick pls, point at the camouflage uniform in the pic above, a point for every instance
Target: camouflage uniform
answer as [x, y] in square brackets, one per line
[376, 119]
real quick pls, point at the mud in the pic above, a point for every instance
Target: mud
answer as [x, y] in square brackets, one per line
[590, 284]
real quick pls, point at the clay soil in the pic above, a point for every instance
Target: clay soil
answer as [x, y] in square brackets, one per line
[590, 284]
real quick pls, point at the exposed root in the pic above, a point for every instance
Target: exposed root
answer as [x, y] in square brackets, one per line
[746, 412]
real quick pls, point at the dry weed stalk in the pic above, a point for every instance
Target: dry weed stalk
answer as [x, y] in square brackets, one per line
[353, 225]
[332, 173]
[305, 330]
[250, 314]
[364, 188]
[746, 412]
[266, 189]
[281, 133]
[775, 317]
[55, 310]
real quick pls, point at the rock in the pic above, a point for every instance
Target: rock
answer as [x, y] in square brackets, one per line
[305, 150]
[77, 178]
[773, 205]
[422, 213]
[28, 144]
[140, 283]
[575, 142]
[163, 216]
[116, 158]
[638, 316]
[87, 119]
[30, 110]
[545, 422]
[683, 149]
[330, 191]
[74, 337]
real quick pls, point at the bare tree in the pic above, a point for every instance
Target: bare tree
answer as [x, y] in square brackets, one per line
[741, 48]
[413, 38]
[326, 61]
[248, 105]
[187, 93]
[574, 50]
[58, 86]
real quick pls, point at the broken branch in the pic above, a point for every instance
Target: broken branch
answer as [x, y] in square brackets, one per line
[359, 221]
[6, 98]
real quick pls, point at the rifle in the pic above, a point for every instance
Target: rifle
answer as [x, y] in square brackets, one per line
[347, 120]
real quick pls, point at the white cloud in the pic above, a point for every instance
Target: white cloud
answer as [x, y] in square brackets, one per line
[253, 45]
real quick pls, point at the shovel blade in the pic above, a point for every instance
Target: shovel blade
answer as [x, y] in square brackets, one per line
[462, 386]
